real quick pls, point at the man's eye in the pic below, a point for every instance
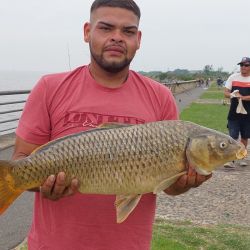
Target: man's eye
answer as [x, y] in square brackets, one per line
[130, 32]
[105, 28]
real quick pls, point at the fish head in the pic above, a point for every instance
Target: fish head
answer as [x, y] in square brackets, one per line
[209, 151]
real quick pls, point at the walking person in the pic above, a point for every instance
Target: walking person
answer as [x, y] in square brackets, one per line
[207, 82]
[237, 88]
[106, 90]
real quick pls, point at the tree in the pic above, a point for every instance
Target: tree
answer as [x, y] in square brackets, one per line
[208, 70]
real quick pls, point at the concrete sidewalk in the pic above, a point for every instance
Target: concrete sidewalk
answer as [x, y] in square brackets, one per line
[186, 98]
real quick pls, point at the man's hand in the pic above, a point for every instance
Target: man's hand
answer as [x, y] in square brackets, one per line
[235, 94]
[55, 187]
[187, 181]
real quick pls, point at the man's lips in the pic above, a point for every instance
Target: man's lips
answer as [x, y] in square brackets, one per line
[116, 49]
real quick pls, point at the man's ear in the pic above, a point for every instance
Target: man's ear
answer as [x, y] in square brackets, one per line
[86, 32]
[139, 39]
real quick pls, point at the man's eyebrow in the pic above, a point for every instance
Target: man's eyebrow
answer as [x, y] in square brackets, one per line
[107, 24]
[111, 25]
[131, 27]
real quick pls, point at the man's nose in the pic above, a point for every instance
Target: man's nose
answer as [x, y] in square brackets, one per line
[117, 36]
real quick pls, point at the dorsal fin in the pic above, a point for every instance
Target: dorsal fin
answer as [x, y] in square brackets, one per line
[113, 125]
[40, 147]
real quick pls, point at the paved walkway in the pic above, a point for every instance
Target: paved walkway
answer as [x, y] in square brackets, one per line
[186, 98]
[224, 199]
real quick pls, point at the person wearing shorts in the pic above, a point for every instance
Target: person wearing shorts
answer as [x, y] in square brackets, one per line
[237, 88]
[239, 128]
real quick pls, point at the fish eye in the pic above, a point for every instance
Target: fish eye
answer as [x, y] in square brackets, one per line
[223, 145]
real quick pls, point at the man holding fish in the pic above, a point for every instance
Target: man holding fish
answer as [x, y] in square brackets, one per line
[104, 91]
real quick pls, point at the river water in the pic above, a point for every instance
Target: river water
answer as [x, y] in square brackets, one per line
[14, 80]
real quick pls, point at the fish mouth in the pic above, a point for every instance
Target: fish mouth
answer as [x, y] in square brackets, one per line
[242, 153]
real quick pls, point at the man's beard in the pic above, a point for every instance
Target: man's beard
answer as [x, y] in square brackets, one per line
[111, 67]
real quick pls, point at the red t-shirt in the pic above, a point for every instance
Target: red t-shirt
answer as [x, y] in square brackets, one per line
[66, 103]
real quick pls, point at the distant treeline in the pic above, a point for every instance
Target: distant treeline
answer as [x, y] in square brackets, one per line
[185, 75]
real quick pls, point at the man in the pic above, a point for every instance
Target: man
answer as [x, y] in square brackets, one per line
[237, 88]
[103, 91]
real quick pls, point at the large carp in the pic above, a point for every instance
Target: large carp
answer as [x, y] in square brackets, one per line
[125, 160]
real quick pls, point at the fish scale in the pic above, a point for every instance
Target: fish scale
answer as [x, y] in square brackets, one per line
[125, 160]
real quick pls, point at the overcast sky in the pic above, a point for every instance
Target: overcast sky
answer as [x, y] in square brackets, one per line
[186, 34]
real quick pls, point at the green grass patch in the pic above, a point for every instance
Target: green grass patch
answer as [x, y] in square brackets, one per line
[181, 236]
[214, 86]
[177, 235]
[212, 95]
[213, 116]
[24, 246]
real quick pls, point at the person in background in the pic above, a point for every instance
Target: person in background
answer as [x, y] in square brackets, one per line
[207, 82]
[219, 82]
[106, 90]
[237, 88]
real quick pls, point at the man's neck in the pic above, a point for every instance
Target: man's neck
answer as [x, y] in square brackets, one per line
[245, 74]
[107, 79]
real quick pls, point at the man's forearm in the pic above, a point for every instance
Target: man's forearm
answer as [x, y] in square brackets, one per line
[227, 95]
[245, 98]
[18, 156]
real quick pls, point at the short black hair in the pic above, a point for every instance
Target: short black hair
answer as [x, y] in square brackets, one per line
[124, 4]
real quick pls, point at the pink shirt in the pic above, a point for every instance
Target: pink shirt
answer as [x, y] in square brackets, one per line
[66, 103]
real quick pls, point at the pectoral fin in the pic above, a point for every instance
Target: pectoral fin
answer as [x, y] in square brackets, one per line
[125, 204]
[167, 182]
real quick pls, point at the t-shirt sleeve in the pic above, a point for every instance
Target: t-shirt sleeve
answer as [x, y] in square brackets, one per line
[34, 124]
[228, 84]
[169, 110]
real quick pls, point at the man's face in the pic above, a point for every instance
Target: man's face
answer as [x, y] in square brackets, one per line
[113, 38]
[245, 68]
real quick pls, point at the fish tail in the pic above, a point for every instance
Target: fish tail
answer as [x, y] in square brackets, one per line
[8, 190]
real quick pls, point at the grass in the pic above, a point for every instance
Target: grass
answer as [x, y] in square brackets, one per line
[23, 246]
[187, 236]
[213, 95]
[169, 235]
[209, 115]
[214, 87]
